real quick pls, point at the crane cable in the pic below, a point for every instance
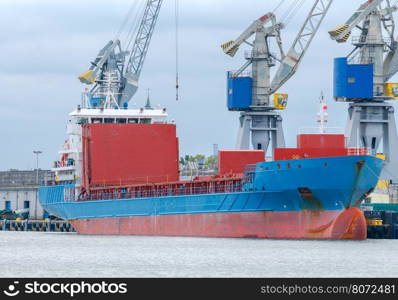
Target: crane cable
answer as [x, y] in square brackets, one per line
[288, 10]
[292, 10]
[279, 5]
[294, 13]
[177, 48]
[135, 25]
[125, 21]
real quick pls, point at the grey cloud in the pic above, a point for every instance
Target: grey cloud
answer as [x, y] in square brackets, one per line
[46, 44]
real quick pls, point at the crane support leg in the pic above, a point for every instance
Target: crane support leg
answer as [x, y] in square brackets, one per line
[243, 141]
[264, 128]
[372, 125]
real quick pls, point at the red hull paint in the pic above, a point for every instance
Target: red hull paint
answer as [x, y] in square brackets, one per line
[349, 224]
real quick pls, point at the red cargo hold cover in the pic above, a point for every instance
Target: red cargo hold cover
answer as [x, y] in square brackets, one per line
[288, 154]
[234, 162]
[128, 154]
[312, 141]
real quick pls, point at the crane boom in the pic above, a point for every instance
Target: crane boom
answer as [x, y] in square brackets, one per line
[390, 67]
[90, 76]
[111, 71]
[386, 67]
[300, 45]
[232, 47]
[343, 32]
[140, 49]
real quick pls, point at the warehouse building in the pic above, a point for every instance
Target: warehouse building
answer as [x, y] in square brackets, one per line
[19, 190]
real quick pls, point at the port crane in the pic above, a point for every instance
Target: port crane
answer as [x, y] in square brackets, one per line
[115, 72]
[260, 120]
[362, 80]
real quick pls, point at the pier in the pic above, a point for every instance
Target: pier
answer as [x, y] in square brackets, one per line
[35, 225]
[382, 220]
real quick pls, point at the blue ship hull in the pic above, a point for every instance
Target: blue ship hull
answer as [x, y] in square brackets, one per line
[310, 198]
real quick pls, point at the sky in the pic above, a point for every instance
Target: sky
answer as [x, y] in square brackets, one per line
[46, 44]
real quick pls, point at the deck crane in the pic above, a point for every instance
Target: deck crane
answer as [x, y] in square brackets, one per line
[361, 79]
[251, 93]
[115, 72]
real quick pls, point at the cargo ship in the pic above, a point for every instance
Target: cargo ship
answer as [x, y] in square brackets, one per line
[118, 174]
[118, 171]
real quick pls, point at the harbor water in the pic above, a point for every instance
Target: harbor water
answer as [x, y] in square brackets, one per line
[39, 254]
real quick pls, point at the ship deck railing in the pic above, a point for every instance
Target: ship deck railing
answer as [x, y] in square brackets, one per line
[139, 193]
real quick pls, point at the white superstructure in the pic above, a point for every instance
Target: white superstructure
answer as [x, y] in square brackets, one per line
[69, 166]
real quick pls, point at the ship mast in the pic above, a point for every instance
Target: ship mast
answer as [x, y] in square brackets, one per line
[322, 114]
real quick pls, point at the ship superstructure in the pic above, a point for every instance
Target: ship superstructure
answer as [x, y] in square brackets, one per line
[69, 167]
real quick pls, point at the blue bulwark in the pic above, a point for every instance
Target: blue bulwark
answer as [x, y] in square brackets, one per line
[352, 81]
[276, 187]
[240, 93]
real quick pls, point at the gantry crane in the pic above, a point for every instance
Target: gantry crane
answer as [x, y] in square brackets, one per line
[116, 71]
[251, 93]
[361, 79]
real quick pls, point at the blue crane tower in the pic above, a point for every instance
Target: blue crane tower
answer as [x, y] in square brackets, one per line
[251, 92]
[362, 80]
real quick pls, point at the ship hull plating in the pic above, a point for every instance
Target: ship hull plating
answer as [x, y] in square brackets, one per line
[347, 224]
[297, 199]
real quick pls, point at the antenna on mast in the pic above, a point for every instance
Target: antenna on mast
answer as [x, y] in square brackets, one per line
[322, 115]
[148, 100]
[177, 48]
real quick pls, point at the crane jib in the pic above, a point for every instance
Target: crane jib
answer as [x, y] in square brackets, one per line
[115, 71]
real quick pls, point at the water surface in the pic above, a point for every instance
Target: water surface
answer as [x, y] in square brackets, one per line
[31, 254]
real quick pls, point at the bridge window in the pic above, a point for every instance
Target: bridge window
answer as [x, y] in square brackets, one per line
[82, 121]
[146, 121]
[121, 121]
[97, 120]
[133, 121]
[109, 121]
[26, 204]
